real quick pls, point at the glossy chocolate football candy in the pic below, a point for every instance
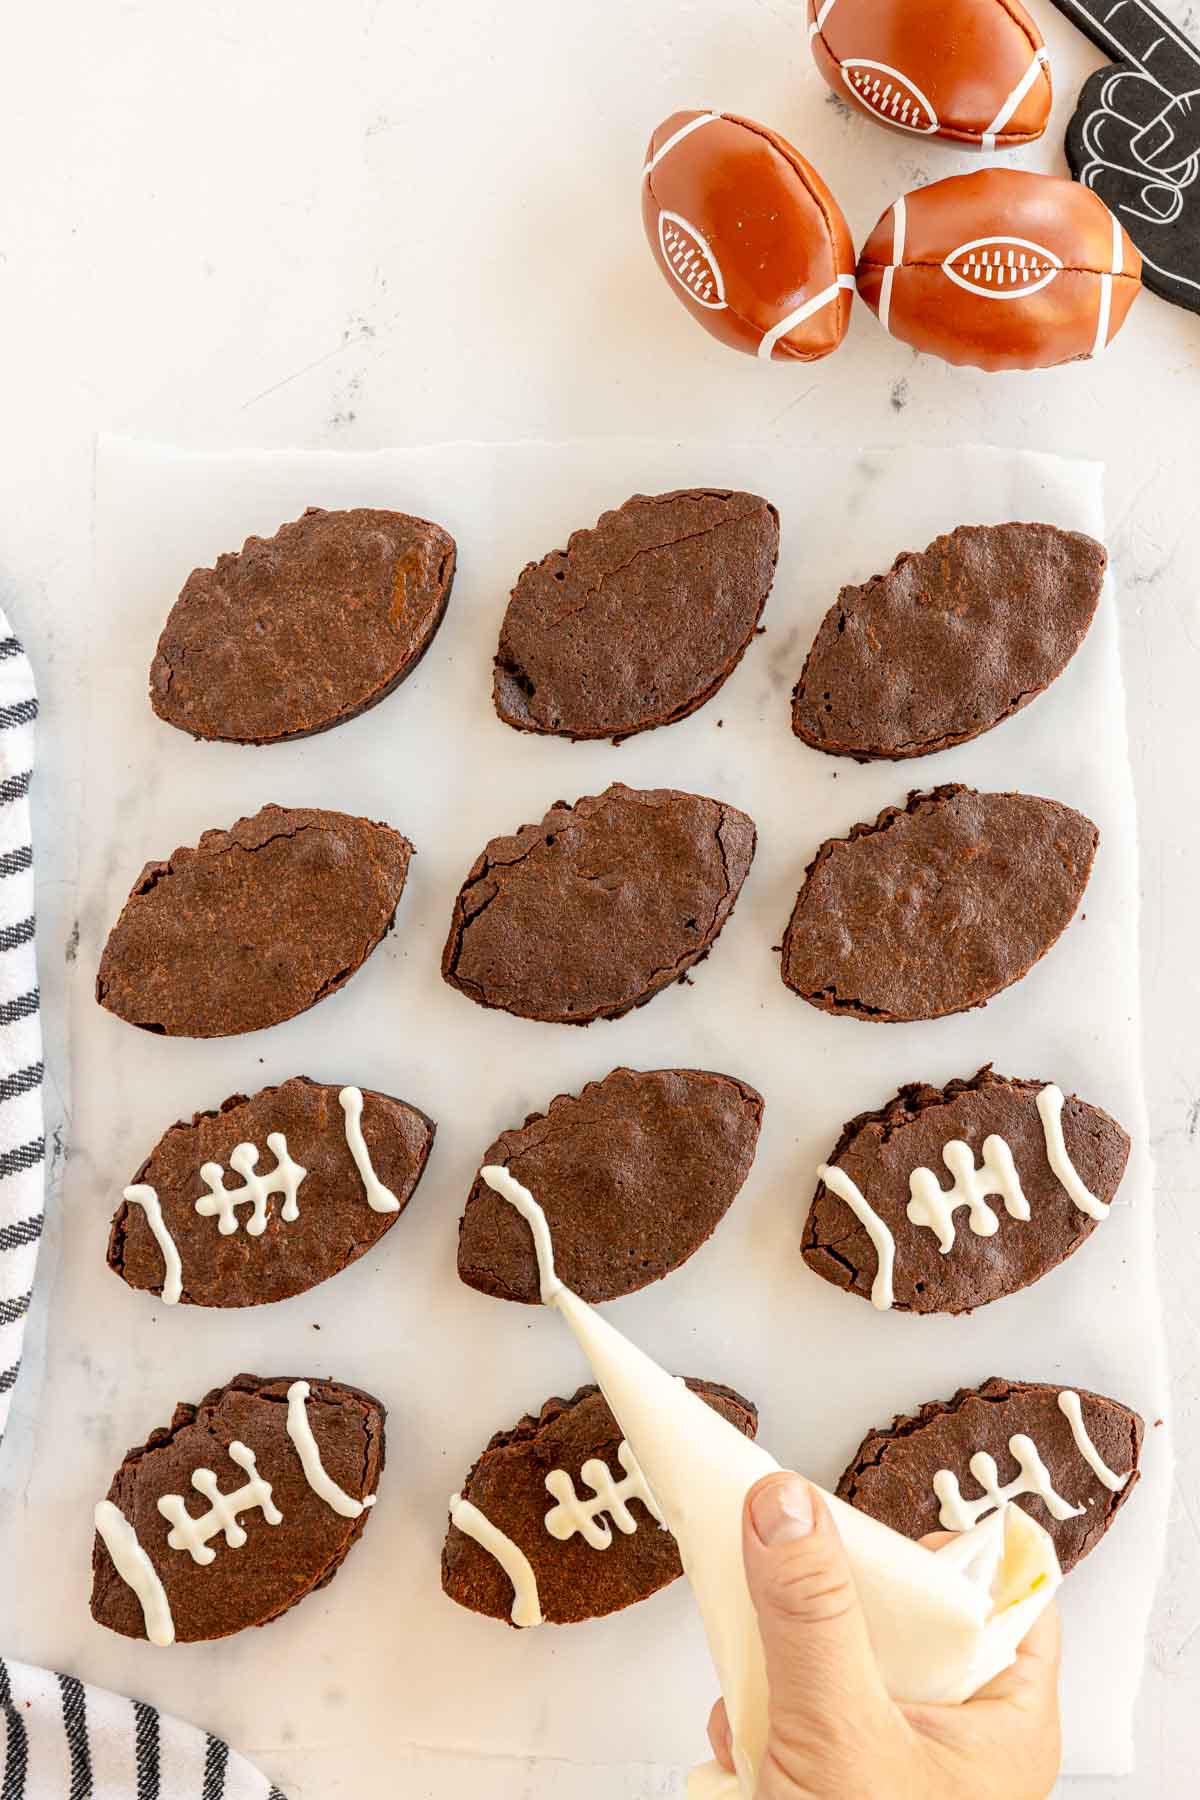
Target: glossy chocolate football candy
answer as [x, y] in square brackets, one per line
[748, 236]
[1001, 269]
[973, 71]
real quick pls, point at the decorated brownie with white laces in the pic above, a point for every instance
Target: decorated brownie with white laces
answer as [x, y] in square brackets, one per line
[556, 1522]
[236, 1510]
[268, 1194]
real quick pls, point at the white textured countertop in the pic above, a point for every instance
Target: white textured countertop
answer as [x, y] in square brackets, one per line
[373, 225]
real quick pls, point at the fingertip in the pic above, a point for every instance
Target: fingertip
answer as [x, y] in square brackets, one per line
[779, 1509]
[720, 1736]
[762, 1487]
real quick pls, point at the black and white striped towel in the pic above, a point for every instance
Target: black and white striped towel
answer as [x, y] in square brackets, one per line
[60, 1740]
[64, 1741]
[22, 1136]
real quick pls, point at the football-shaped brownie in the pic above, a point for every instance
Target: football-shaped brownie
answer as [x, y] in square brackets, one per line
[936, 906]
[237, 1509]
[254, 924]
[556, 1524]
[639, 620]
[748, 236]
[952, 640]
[1002, 269]
[600, 906]
[1069, 1457]
[294, 633]
[1032, 1170]
[633, 1175]
[975, 71]
[267, 1196]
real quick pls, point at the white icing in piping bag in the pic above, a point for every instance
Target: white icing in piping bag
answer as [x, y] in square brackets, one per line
[941, 1623]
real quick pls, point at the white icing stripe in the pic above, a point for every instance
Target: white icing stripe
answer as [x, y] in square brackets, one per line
[677, 137]
[1050, 1104]
[307, 1449]
[526, 1606]
[957, 1514]
[839, 1183]
[379, 1198]
[797, 317]
[221, 1202]
[827, 7]
[1014, 99]
[935, 1207]
[192, 1533]
[136, 1571]
[1069, 1405]
[147, 1199]
[573, 1515]
[510, 1189]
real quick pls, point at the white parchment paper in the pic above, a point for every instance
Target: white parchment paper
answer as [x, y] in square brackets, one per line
[380, 1659]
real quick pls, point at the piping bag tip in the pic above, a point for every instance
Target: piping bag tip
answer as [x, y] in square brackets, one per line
[942, 1623]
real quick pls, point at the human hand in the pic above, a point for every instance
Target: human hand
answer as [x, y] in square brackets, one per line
[835, 1734]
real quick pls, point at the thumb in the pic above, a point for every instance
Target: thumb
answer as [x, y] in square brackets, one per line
[827, 1701]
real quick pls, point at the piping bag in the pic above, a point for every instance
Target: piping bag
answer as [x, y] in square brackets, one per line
[941, 1623]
